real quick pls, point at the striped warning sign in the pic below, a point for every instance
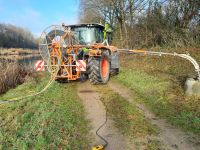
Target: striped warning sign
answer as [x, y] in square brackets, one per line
[80, 65]
[39, 65]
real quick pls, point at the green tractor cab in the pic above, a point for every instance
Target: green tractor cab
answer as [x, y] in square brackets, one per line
[88, 34]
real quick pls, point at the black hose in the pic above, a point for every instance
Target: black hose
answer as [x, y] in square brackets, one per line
[103, 139]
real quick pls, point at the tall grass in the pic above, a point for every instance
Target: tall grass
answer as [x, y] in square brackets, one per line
[11, 75]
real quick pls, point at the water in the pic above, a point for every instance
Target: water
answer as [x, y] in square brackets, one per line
[24, 60]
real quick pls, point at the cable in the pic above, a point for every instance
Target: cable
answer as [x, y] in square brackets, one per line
[101, 147]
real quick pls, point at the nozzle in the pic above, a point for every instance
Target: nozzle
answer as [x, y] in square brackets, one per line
[192, 87]
[99, 147]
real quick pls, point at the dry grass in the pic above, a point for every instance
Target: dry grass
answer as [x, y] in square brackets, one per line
[17, 51]
[11, 75]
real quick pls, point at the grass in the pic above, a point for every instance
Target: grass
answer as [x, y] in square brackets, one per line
[52, 120]
[128, 119]
[158, 82]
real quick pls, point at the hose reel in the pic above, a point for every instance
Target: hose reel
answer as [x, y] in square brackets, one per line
[54, 42]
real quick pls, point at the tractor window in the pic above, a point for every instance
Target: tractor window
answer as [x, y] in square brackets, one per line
[85, 35]
[99, 35]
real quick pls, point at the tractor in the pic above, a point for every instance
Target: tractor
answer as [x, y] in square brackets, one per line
[79, 51]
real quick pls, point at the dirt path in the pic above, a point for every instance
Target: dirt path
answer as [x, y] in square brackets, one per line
[96, 114]
[172, 137]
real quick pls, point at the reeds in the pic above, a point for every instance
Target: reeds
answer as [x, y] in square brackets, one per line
[11, 75]
[17, 51]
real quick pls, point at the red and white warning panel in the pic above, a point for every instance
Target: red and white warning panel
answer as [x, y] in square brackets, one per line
[39, 65]
[80, 65]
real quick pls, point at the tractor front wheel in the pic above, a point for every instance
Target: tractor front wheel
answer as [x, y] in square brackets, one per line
[99, 69]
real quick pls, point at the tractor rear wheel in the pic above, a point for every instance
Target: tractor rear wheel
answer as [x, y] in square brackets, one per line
[99, 69]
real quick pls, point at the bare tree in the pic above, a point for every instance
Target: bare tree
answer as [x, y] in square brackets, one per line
[139, 23]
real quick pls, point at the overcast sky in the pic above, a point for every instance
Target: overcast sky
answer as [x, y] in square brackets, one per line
[36, 15]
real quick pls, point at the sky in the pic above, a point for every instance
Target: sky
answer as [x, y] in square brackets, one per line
[36, 15]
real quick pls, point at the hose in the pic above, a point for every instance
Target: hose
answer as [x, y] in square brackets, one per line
[184, 56]
[52, 79]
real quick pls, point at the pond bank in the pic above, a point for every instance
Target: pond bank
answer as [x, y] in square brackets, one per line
[17, 51]
[12, 75]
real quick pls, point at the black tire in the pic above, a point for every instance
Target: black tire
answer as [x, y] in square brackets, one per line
[114, 71]
[95, 69]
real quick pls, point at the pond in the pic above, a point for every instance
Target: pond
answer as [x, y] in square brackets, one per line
[24, 60]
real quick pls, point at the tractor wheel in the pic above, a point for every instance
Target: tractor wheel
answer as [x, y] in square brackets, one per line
[99, 69]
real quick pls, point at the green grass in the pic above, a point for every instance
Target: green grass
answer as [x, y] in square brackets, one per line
[128, 119]
[52, 120]
[163, 97]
